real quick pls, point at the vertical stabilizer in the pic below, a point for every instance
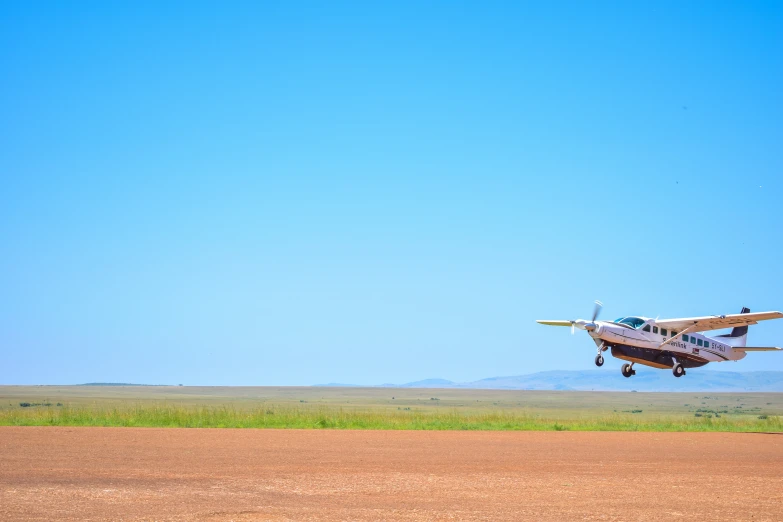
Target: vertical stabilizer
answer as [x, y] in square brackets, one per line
[739, 334]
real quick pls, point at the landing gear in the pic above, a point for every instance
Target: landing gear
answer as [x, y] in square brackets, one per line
[599, 359]
[628, 370]
[678, 370]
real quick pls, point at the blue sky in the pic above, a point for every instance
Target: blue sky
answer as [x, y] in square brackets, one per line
[303, 192]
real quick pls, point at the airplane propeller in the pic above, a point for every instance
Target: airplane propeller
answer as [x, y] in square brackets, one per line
[596, 311]
[582, 324]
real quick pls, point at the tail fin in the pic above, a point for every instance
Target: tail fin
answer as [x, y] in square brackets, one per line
[739, 331]
[739, 334]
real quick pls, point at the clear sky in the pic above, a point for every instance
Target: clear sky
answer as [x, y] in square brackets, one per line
[295, 193]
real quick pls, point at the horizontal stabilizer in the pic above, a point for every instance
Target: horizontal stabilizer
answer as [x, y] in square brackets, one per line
[757, 348]
[555, 323]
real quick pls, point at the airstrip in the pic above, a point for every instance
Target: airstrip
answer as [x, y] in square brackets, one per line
[49, 473]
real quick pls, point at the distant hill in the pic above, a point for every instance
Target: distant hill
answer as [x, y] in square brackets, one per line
[118, 384]
[430, 383]
[695, 380]
[341, 385]
[603, 380]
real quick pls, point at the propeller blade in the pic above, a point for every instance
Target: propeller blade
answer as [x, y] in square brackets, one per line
[572, 328]
[597, 310]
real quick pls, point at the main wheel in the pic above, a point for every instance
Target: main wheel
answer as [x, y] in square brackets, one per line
[627, 371]
[599, 360]
[678, 370]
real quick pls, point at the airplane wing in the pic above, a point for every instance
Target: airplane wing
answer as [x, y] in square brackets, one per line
[757, 348]
[715, 322]
[555, 323]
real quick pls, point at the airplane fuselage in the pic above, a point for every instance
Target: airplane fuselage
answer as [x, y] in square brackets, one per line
[648, 345]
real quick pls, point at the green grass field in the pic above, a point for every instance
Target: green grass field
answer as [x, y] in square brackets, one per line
[386, 408]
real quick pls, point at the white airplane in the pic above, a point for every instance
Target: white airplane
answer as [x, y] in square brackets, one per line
[671, 343]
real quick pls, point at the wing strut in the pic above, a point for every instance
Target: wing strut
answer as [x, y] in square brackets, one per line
[679, 334]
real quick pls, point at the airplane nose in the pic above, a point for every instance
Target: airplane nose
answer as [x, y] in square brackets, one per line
[593, 328]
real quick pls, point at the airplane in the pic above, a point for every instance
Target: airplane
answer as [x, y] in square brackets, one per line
[670, 343]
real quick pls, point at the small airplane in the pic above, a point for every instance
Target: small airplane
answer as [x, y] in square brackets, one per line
[670, 343]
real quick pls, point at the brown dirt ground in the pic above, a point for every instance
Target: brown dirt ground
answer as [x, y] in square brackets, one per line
[223, 474]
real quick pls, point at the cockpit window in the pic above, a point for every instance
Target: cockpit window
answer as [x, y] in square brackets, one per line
[633, 322]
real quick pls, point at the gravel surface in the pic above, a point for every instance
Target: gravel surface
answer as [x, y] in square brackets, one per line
[54, 473]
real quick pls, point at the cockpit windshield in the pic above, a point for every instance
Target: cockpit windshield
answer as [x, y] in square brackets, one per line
[633, 322]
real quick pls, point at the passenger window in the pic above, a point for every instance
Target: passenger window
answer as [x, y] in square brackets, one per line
[699, 342]
[685, 337]
[646, 328]
[655, 329]
[663, 332]
[693, 340]
[674, 334]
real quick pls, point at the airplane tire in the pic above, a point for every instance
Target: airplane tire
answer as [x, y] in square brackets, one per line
[599, 360]
[626, 370]
[678, 370]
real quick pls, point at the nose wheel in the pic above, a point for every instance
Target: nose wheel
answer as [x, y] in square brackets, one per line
[627, 370]
[599, 359]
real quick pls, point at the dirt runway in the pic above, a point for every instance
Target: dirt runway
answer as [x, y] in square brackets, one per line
[242, 475]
